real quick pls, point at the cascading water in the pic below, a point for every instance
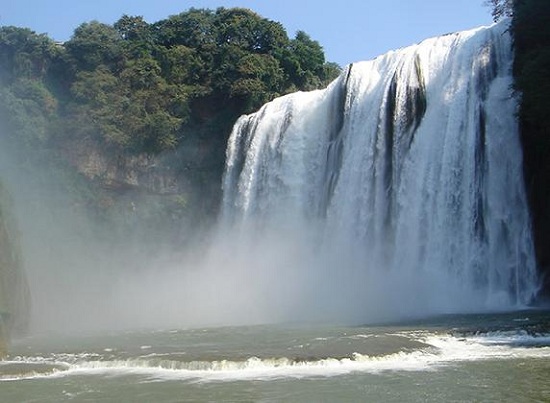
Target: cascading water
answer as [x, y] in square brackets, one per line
[407, 171]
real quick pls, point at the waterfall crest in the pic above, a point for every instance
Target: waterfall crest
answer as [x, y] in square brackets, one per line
[408, 171]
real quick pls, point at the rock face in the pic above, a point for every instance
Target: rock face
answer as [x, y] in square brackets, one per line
[151, 174]
[176, 191]
[14, 291]
[531, 31]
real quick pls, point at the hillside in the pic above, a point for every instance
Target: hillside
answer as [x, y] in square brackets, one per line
[136, 115]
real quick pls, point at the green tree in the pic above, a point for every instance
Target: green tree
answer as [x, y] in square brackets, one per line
[194, 29]
[180, 64]
[94, 44]
[135, 111]
[27, 105]
[248, 31]
[259, 78]
[137, 36]
[23, 53]
[28, 109]
[331, 70]
[303, 62]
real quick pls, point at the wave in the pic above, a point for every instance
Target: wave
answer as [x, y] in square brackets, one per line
[441, 351]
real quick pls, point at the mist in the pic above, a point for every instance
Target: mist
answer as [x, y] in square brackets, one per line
[85, 276]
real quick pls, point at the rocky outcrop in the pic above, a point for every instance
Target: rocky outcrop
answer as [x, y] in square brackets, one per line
[122, 172]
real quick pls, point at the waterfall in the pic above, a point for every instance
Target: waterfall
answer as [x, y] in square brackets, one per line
[407, 171]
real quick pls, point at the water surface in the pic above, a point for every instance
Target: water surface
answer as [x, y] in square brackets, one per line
[496, 357]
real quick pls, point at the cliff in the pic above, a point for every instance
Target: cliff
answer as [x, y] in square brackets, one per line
[531, 32]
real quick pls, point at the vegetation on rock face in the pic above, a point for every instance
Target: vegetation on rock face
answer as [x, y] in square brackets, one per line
[531, 32]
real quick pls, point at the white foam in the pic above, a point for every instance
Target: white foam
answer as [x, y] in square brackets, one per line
[442, 350]
[516, 338]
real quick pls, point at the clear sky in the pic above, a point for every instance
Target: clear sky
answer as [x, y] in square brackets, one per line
[349, 31]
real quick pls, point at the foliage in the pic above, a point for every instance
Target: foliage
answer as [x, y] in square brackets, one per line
[24, 54]
[140, 88]
[27, 108]
[94, 44]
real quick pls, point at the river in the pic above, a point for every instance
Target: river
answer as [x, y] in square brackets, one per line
[483, 357]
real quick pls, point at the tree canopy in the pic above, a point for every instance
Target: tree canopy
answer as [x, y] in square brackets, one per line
[138, 87]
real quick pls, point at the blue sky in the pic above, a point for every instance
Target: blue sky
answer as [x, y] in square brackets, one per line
[349, 31]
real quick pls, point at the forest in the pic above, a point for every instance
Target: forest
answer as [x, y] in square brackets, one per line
[138, 86]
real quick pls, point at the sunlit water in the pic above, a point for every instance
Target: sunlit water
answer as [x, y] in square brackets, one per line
[499, 357]
[408, 171]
